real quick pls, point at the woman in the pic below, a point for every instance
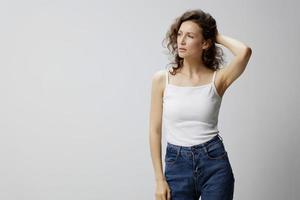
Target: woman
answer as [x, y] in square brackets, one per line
[187, 98]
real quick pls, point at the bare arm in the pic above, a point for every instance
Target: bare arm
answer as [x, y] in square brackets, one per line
[155, 124]
[162, 191]
[236, 67]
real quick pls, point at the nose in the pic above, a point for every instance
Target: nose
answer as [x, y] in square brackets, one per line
[182, 40]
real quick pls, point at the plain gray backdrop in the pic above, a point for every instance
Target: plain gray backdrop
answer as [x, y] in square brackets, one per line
[75, 97]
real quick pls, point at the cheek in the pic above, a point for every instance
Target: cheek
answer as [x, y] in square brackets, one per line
[195, 47]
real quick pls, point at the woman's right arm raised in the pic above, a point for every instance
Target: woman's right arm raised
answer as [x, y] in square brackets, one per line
[155, 134]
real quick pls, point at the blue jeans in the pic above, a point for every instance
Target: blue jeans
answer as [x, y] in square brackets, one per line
[200, 170]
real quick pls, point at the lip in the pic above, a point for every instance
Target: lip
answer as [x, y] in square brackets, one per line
[182, 49]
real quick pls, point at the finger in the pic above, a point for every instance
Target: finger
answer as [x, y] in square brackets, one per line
[169, 195]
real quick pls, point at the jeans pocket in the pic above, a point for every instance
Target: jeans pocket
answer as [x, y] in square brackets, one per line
[171, 156]
[216, 150]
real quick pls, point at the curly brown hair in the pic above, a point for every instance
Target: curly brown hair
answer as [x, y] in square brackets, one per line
[212, 57]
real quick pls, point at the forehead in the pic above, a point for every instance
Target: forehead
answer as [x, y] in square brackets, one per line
[189, 27]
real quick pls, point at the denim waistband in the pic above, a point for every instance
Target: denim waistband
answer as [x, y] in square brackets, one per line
[197, 146]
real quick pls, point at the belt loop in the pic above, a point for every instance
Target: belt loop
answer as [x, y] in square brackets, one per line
[220, 137]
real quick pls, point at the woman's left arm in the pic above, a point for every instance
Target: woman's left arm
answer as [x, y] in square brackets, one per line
[238, 64]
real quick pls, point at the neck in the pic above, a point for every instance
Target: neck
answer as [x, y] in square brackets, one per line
[192, 67]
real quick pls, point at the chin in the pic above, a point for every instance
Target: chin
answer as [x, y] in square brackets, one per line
[182, 55]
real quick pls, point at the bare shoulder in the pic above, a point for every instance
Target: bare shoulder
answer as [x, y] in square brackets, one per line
[159, 75]
[156, 108]
[158, 80]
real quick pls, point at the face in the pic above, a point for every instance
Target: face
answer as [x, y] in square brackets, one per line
[190, 37]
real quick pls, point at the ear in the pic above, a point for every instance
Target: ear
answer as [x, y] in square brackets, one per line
[206, 44]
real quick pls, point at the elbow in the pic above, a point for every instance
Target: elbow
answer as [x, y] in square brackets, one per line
[247, 52]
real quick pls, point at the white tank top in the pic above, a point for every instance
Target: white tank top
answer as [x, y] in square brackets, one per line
[190, 113]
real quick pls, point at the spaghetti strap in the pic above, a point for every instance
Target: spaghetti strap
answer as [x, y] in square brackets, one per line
[167, 78]
[213, 79]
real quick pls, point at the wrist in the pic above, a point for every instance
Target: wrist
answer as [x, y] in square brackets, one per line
[160, 179]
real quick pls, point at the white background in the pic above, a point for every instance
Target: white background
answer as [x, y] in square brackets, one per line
[75, 80]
